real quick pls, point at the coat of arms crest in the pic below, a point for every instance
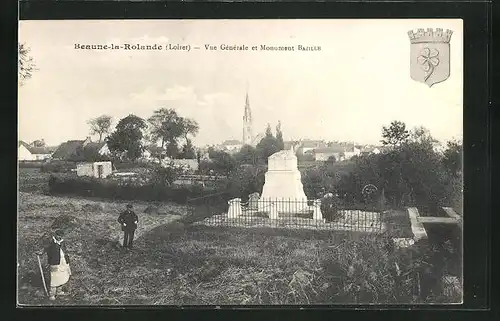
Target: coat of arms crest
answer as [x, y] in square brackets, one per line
[430, 55]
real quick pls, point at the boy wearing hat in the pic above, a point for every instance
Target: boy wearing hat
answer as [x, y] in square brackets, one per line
[128, 220]
[58, 260]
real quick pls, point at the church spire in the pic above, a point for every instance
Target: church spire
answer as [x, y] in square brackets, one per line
[247, 122]
[248, 111]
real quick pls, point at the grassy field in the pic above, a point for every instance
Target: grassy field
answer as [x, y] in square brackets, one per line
[33, 180]
[176, 263]
[173, 263]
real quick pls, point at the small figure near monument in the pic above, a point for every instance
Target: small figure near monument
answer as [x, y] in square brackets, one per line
[128, 220]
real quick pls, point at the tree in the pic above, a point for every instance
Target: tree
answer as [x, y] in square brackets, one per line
[221, 162]
[422, 135]
[126, 140]
[245, 180]
[167, 127]
[279, 137]
[172, 149]
[26, 63]
[267, 146]
[100, 125]
[411, 174]
[190, 128]
[452, 158]
[247, 155]
[188, 151]
[395, 135]
[269, 133]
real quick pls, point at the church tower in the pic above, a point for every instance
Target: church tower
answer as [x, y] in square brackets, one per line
[247, 123]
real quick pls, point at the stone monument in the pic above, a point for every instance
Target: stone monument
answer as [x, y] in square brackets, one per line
[283, 185]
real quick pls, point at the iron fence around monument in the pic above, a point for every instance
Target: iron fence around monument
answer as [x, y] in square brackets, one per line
[206, 206]
[220, 210]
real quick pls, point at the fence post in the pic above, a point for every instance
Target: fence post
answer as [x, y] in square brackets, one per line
[317, 215]
[234, 208]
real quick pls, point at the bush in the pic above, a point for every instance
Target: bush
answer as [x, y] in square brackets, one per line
[125, 164]
[455, 195]
[57, 166]
[245, 180]
[410, 175]
[30, 164]
[330, 208]
[316, 182]
[104, 188]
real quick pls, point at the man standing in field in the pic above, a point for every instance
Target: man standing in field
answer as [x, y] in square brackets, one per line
[58, 260]
[128, 220]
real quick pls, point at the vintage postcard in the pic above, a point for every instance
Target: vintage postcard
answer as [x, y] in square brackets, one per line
[240, 162]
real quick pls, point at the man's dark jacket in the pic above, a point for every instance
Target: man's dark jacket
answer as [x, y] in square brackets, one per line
[128, 217]
[54, 253]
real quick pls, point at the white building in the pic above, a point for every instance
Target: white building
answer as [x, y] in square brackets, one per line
[94, 169]
[367, 150]
[351, 152]
[231, 146]
[307, 145]
[323, 154]
[27, 152]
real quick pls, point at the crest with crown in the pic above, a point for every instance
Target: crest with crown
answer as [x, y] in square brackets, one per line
[430, 35]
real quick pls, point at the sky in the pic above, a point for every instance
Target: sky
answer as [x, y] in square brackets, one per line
[358, 82]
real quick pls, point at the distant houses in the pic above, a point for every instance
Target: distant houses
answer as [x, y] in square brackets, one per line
[292, 144]
[88, 151]
[366, 150]
[351, 151]
[313, 150]
[28, 152]
[324, 154]
[70, 150]
[320, 150]
[81, 150]
[231, 146]
[307, 145]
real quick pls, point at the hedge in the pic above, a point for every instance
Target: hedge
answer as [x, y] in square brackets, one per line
[58, 166]
[30, 164]
[104, 188]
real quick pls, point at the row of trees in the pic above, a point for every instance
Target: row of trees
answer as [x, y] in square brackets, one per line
[169, 133]
[411, 172]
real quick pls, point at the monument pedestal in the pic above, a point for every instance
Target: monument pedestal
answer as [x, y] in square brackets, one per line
[283, 186]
